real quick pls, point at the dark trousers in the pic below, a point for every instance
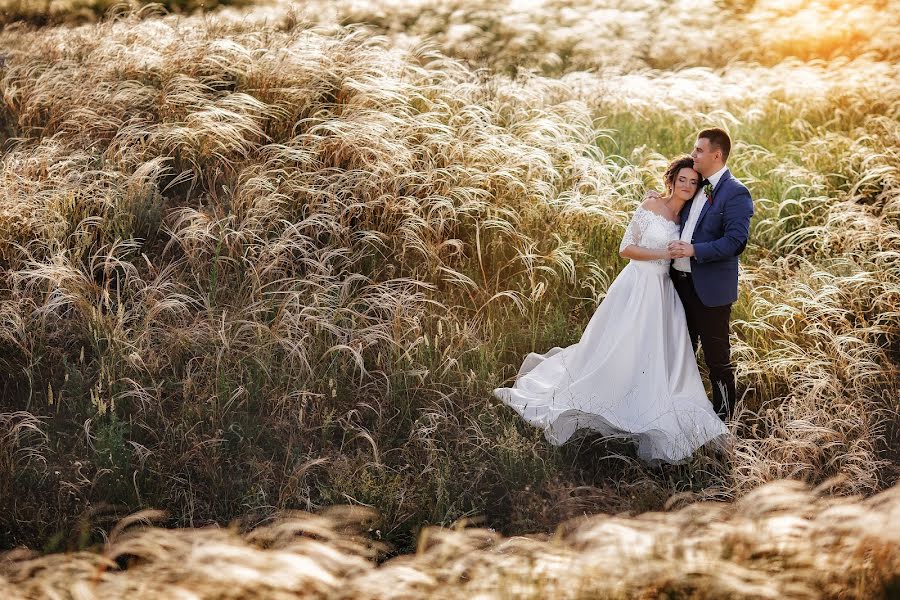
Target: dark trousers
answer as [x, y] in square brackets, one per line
[709, 325]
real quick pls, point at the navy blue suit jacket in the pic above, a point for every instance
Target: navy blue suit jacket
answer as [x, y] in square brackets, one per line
[719, 237]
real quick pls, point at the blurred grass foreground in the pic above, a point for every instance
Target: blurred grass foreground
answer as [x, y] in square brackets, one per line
[266, 257]
[779, 541]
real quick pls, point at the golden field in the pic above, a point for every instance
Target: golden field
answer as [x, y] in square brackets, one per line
[273, 258]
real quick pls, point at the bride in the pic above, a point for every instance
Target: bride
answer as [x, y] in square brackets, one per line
[633, 373]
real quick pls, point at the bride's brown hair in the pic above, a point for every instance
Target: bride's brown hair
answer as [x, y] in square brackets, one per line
[674, 168]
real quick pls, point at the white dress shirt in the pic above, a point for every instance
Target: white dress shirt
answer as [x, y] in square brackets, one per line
[684, 264]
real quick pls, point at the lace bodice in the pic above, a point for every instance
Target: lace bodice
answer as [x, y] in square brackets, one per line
[649, 230]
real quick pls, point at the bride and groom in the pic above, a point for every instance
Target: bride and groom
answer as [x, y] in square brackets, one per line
[634, 372]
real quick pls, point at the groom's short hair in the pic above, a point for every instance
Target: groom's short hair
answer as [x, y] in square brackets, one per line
[718, 140]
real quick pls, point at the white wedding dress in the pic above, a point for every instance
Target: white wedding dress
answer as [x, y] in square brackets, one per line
[633, 373]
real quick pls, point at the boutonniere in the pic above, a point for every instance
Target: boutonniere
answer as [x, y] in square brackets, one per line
[708, 190]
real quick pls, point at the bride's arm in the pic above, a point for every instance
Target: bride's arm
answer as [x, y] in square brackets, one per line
[638, 253]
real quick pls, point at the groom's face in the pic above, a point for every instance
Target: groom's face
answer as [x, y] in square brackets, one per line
[704, 157]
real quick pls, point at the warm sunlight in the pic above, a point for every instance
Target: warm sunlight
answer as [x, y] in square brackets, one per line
[449, 299]
[802, 27]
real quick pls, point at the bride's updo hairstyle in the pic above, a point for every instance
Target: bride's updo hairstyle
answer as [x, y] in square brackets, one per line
[674, 169]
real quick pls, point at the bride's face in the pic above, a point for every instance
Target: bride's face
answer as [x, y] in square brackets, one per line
[685, 184]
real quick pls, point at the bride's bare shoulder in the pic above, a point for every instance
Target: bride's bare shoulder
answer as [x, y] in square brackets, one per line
[652, 203]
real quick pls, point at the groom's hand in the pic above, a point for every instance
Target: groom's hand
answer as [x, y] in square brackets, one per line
[652, 195]
[680, 249]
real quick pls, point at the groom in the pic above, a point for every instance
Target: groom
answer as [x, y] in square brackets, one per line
[714, 230]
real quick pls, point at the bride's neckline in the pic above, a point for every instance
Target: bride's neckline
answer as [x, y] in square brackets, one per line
[656, 214]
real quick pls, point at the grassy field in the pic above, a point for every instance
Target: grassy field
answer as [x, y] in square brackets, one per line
[275, 257]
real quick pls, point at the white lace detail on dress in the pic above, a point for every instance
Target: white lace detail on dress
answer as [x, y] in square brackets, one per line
[649, 230]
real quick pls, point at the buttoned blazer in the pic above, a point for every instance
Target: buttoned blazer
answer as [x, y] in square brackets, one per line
[719, 237]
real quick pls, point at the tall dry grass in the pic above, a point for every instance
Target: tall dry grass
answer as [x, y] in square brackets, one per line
[72, 12]
[559, 36]
[277, 258]
[780, 541]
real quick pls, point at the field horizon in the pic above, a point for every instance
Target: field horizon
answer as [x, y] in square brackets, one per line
[274, 256]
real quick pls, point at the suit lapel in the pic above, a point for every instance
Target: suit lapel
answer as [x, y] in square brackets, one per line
[684, 213]
[707, 205]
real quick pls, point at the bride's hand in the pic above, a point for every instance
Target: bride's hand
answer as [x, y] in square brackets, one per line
[680, 249]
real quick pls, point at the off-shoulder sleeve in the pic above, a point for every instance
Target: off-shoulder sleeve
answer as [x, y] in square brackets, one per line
[633, 231]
